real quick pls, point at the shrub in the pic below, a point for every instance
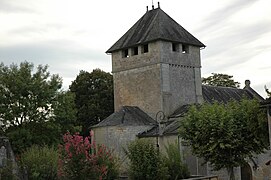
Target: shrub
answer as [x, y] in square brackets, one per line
[173, 160]
[82, 159]
[145, 161]
[40, 162]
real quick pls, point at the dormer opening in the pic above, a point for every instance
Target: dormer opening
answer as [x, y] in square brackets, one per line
[125, 53]
[145, 48]
[134, 51]
[175, 47]
[185, 49]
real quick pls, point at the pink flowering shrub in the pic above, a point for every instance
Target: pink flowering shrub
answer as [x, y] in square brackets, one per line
[82, 159]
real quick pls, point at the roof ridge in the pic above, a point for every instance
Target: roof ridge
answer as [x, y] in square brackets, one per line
[222, 87]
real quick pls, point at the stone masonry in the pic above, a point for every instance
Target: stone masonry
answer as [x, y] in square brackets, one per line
[158, 80]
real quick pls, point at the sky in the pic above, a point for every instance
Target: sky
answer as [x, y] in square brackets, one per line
[73, 35]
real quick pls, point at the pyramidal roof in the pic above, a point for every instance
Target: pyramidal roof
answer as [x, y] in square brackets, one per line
[155, 25]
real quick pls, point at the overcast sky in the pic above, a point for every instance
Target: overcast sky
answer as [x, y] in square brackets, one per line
[73, 35]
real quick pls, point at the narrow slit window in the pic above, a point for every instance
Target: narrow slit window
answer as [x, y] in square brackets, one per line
[185, 49]
[135, 51]
[125, 53]
[145, 48]
[175, 47]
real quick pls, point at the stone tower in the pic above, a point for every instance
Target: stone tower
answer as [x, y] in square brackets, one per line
[156, 65]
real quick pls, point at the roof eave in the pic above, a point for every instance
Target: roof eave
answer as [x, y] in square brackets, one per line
[111, 50]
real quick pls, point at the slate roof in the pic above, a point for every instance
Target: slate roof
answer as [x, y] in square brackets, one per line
[155, 25]
[127, 116]
[220, 94]
[266, 102]
[172, 128]
[210, 94]
[225, 94]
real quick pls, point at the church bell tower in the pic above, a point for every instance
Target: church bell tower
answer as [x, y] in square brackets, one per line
[156, 65]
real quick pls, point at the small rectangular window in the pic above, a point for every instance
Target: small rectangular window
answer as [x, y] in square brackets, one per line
[145, 48]
[175, 47]
[135, 51]
[185, 49]
[125, 53]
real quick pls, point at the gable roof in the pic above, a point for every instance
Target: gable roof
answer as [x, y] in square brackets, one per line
[127, 116]
[210, 95]
[155, 25]
[220, 94]
[225, 94]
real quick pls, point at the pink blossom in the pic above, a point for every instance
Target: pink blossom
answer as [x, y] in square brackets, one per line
[83, 152]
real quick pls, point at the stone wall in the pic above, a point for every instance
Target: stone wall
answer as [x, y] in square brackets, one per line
[161, 79]
[261, 170]
[138, 87]
[184, 76]
[117, 138]
[190, 58]
[120, 63]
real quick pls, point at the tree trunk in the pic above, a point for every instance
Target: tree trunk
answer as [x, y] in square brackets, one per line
[231, 173]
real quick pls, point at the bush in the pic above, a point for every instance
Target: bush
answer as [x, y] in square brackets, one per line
[40, 162]
[82, 159]
[145, 161]
[173, 160]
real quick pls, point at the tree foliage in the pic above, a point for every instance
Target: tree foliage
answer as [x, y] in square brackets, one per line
[145, 161]
[27, 101]
[93, 97]
[65, 112]
[226, 135]
[223, 80]
[34, 133]
[26, 96]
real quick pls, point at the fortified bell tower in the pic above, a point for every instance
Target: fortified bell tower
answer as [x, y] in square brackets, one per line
[156, 65]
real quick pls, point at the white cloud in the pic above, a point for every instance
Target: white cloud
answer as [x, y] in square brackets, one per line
[71, 35]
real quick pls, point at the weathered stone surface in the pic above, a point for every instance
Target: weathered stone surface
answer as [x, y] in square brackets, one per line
[138, 87]
[161, 79]
[117, 138]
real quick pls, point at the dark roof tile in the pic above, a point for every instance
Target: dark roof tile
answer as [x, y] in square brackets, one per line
[155, 25]
[219, 94]
[210, 94]
[127, 116]
[225, 94]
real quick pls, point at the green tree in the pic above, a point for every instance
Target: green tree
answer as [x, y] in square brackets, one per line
[94, 98]
[226, 135]
[34, 133]
[220, 80]
[65, 112]
[27, 98]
